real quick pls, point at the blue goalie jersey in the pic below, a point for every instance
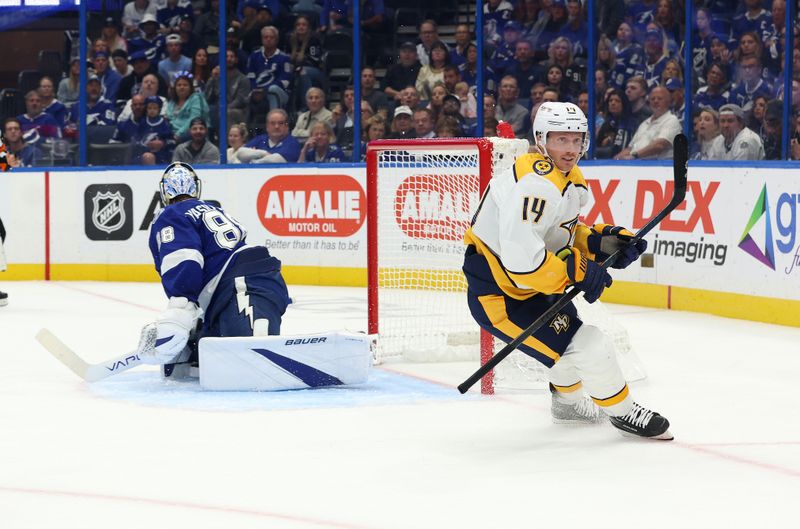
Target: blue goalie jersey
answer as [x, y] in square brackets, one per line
[191, 242]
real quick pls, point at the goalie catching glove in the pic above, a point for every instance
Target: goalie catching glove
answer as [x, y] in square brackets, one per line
[163, 341]
[606, 239]
[585, 275]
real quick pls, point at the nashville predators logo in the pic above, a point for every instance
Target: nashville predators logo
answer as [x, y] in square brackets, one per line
[542, 167]
[560, 323]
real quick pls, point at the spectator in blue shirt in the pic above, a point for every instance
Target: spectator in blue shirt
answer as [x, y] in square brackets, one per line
[319, 147]
[174, 61]
[170, 15]
[36, 125]
[109, 78]
[269, 71]
[50, 104]
[281, 146]
[150, 42]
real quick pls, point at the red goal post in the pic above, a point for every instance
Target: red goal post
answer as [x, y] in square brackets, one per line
[421, 195]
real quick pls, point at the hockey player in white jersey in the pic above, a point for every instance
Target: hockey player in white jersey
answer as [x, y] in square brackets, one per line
[526, 246]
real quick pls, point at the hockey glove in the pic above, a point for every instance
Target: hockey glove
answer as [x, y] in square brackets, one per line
[172, 328]
[606, 239]
[587, 275]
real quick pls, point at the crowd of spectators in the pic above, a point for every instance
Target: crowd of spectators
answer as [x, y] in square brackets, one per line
[154, 80]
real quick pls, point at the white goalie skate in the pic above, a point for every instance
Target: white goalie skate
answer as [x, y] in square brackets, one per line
[582, 411]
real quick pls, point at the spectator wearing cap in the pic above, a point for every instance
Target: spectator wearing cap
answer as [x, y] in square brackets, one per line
[770, 133]
[557, 18]
[50, 104]
[281, 146]
[110, 34]
[376, 99]
[320, 146]
[403, 72]
[174, 62]
[150, 42]
[463, 37]
[197, 150]
[655, 53]
[432, 72]
[272, 5]
[184, 105]
[495, 15]
[503, 54]
[751, 83]
[169, 16]
[251, 27]
[305, 53]
[678, 105]
[618, 127]
[736, 141]
[630, 55]
[508, 108]
[132, 84]
[109, 77]
[315, 102]
[576, 30]
[69, 87]
[428, 34]
[132, 15]
[119, 59]
[233, 42]
[523, 69]
[156, 141]
[715, 93]
[129, 130]
[238, 90]
[653, 138]
[207, 25]
[150, 86]
[37, 126]
[99, 110]
[190, 42]
[451, 107]
[270, 72]
[403, 123]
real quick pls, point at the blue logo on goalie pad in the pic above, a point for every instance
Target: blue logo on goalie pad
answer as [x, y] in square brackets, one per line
[310, 376]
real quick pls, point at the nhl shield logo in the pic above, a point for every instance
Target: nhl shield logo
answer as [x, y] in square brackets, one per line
[108, 211]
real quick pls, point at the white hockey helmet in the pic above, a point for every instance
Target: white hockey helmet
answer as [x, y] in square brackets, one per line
[559, 117]
[179, 179]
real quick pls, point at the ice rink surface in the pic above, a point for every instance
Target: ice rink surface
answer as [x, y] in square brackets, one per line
[405, 451]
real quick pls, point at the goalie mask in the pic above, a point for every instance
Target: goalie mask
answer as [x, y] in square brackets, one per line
[179, 179]
[559, 117]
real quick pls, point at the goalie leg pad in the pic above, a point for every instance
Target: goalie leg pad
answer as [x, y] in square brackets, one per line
[273, 363]
[596, 364]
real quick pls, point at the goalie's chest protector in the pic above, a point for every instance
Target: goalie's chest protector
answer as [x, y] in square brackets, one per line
[531, 205]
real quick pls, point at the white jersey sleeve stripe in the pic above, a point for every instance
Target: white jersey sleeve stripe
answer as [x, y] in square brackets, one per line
[177, 257]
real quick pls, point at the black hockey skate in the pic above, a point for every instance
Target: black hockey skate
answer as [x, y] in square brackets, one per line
[642, 422]
[584, 411]
[3, 299]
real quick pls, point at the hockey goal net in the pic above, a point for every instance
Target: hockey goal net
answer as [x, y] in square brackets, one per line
[421, 196]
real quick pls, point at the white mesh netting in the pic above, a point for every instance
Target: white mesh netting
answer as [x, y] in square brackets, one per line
[426, 197]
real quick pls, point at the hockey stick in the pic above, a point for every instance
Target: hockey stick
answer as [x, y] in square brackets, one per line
[88, 372]
[680, 160]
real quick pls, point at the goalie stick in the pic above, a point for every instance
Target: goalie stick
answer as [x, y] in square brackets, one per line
[88, 372]
[680, 168]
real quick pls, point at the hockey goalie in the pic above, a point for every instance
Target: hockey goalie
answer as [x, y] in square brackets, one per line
[226, 299]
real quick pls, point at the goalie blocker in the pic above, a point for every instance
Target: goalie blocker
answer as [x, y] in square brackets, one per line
[271, 363]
